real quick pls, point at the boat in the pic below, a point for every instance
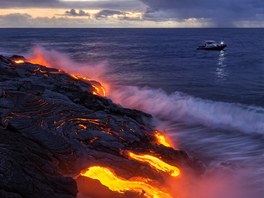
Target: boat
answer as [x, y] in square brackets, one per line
[212, 45]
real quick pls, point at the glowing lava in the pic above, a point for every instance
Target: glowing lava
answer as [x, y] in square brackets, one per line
[99, 90]
[19, 61]
[120, 185]
[156, 163]
[40, 58]
[77, 77]
[161, 139]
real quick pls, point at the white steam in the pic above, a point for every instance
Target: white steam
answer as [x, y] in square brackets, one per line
[53, 58]
[178, 107]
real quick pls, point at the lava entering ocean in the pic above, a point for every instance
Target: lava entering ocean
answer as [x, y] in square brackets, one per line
[101, 142]
[148, 171]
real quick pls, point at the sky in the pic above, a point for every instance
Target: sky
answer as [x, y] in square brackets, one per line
[132, 13]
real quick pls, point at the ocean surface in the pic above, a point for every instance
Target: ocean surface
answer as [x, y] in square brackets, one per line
[211, 103]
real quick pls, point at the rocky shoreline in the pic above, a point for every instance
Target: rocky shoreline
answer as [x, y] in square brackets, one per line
[52, 126]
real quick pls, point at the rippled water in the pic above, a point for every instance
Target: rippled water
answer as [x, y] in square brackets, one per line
[212, 103]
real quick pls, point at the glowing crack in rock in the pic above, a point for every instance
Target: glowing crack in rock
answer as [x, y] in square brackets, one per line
[19, 61]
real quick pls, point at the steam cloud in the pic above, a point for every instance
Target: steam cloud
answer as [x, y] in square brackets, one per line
[53, 58]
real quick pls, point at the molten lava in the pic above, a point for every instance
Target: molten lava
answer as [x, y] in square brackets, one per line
[99, 90]
[39, 58]
[78, 77]
[161, 139]
[156, 163]
[120, 185]
[19, 61]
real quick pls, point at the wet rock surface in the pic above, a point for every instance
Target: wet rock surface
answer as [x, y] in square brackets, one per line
[52, 127]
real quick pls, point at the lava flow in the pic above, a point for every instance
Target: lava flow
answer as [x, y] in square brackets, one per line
[142, 186]
[40, 58]
[156, 163]
[19, 61]
[99, 90]
[161, 139]
[120, 185]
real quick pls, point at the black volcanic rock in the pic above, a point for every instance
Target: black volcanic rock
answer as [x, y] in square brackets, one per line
[52, 127]
[27, 169]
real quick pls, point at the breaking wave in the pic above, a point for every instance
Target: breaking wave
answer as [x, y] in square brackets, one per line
[178, 107]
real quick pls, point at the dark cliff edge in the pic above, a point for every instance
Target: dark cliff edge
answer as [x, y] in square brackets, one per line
[52, 127]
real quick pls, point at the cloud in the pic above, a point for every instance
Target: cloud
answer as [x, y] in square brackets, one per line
[15, 20]
[73, 12]
[28, 3]
[223, 13]
[26, 20]
[118, 15]
[105, 4]
[219, 13]
[107, 13]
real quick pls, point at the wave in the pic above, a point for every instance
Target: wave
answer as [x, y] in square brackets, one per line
[179, 107]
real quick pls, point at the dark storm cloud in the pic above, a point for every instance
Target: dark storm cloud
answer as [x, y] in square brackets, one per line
[73, 12]
[120, 15]
[222, 12]
[27, 3]
[103, 4]
[106, 13]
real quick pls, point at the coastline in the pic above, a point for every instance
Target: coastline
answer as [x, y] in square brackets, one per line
[72, 126]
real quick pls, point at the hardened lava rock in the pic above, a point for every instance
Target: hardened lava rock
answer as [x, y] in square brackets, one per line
[52, 127]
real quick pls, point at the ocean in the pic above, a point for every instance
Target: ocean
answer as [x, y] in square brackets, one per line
[210, 103]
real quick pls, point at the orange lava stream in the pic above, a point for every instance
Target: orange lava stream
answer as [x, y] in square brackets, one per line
[161, 139]
[120, 185]
[74, 76]
[156, 163]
